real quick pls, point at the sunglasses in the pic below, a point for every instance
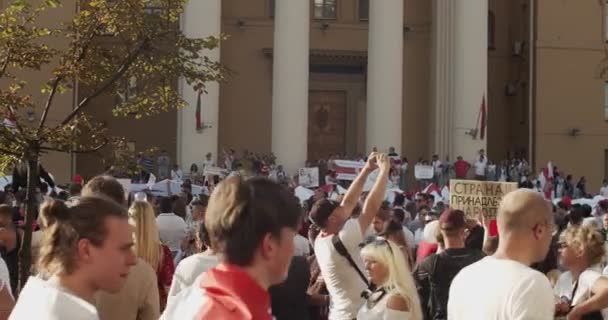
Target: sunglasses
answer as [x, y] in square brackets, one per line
[376, 241]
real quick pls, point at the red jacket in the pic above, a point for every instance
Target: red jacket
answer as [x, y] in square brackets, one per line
[233, 294]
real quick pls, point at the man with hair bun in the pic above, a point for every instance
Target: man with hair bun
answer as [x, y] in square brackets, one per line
[503, 286]
[86, 248]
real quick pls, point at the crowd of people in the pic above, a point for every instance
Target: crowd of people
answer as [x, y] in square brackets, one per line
[252, 250]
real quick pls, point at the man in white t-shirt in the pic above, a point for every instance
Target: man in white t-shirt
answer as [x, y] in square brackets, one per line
[505, 286]
[171, 228]
[480, 164]
[343, 282]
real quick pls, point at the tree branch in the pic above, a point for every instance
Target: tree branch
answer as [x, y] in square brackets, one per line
[95, 149]
[56, 82]
[5, 65]
[119, 73]
[12, 153]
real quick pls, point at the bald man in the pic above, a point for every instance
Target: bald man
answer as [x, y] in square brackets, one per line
[503, 286]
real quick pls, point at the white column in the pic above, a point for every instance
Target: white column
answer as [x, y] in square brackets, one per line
[470, 61]
[290, 83]
[200, 19]
[385, 75]
[442, 78]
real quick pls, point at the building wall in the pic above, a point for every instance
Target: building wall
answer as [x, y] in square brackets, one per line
[507, 114]
[246, 99]
[58, 164]
[569, 93]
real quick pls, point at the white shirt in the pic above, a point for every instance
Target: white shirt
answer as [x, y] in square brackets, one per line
[480, 166]
[586, 280]
[188, 270]
[47, 300]
[380, 312]
[604, 191]
[343, 282]
[437, 167]
[500, 289]
[301, 246]
[172, 230]
[177, 174]
[409, 237]
[419, 235]
[5, 278]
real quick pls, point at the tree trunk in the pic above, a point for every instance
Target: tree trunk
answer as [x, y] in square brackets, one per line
[25, 252]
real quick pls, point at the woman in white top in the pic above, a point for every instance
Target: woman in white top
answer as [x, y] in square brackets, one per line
[85, 248]
[395, 296]
[582, 289]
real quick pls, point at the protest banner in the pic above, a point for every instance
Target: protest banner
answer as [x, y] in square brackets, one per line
[308, 177]
[423, 172]
[474, 197]
[214, 171]
[347, 169]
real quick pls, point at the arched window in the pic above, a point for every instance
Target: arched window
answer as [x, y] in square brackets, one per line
[491, 30]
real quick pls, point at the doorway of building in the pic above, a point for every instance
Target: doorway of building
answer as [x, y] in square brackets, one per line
[326, 124]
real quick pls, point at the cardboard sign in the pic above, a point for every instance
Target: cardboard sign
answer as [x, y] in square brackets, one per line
[474, 197]
[308, 177]
[423, 172]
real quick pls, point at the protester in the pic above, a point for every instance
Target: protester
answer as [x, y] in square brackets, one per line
[10, 242]
[461, 168]
[86, 248]
[343, 271]
[434, 274]
[172, 228]
[393, 231]
[252, 224]
[582, 290]
[480, 165]
[394, 295]
[138, 298]
[289, 298]
[191, 267]
[507, 287]
[7, 300]
[149, 248]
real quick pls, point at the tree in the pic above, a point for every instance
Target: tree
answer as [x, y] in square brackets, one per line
[110, 42]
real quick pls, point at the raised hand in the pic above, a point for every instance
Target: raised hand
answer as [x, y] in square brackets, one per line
[372, 163]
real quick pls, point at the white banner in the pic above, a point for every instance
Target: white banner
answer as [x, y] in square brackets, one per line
[214, 171]
[423, 172]
[308, 177]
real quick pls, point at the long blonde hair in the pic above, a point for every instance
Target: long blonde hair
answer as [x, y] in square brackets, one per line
[147, 240]
[399, 280]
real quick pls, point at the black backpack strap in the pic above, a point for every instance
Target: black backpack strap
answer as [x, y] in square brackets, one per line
[432, 302]
[341, 249]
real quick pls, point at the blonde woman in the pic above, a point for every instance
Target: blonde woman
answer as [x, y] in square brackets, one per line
[582, 290]
[149, 248]
[395, 296]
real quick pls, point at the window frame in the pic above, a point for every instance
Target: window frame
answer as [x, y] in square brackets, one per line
[359, 17]
[491, 30]
[606, 101]
[324, 4]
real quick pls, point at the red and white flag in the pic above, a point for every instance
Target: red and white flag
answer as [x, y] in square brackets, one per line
[347, 169]
[483, 111]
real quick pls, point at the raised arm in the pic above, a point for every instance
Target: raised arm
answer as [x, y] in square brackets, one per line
[354, 191]
[376, 196]
[597, 302]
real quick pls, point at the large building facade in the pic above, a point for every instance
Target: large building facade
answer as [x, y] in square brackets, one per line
[324, 77]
